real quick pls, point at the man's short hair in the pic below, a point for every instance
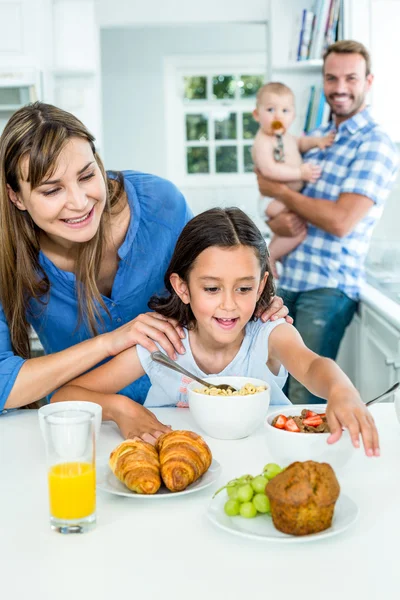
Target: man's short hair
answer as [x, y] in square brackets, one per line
[350, 47]
[273, 87]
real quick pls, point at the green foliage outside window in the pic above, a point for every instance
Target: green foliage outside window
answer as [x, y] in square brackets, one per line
[224, 86]
[250, 126]
[196, 127]
[197, 160]
[226, 159]
[247, 159]
[249, 85]
[225, 128]
[195, 88]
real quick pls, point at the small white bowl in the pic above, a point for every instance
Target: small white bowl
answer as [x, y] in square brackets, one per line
[229, 417]
[55, 407]
[286, 447]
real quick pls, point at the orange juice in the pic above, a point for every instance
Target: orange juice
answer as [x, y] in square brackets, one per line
[72, 490]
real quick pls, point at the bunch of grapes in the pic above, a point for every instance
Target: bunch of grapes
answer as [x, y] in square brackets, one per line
[247, 493]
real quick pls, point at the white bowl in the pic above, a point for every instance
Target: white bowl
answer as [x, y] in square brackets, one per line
[287, 447]
[55, 407]
[229, 417]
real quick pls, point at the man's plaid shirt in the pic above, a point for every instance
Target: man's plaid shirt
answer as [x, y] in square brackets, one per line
[363, 160]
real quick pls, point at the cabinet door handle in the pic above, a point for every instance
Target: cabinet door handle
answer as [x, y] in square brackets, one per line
[389, 362]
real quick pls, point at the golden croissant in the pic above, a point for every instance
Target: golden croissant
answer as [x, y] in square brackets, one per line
[184, 457]
[137, 465]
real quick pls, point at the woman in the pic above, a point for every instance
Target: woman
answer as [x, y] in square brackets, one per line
[81, 253]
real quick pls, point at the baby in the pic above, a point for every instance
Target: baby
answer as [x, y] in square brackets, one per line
[277, 155]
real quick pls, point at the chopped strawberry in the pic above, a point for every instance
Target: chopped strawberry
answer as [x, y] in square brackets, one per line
[322, 415]
[280, 422]
[313, 421]
[311, 413]
[291, 425]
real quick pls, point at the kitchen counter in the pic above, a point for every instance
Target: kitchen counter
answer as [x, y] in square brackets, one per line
[379, 301]
[168, 550]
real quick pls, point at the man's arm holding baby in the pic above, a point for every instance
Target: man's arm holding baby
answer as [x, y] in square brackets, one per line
[338, 218]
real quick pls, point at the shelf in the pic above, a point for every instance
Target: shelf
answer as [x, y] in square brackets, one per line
[301, 65]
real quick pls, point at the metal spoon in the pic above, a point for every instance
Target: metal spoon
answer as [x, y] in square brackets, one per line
[384, 395]
[161, 358]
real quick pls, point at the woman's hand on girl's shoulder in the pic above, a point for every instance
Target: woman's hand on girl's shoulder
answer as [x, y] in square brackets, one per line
[276, 310]
[136, 421]
[145, 330]
[345, 409]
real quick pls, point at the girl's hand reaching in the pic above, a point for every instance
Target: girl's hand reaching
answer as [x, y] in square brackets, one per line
[345, 409]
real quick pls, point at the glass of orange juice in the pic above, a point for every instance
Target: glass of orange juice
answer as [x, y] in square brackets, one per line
[70, 448]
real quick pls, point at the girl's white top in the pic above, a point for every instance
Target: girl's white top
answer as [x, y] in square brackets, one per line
[169, 388]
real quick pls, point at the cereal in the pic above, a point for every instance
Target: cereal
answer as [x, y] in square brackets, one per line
[246, 390]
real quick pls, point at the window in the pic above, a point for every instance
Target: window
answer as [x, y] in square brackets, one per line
[210, 124]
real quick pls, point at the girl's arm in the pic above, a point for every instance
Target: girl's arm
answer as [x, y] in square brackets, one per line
[100, 386]
[322, 377]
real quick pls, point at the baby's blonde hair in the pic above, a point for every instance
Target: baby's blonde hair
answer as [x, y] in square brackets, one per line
[273, 87]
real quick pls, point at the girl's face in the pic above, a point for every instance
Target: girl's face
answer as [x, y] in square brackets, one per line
[68, 205]
[224, 286]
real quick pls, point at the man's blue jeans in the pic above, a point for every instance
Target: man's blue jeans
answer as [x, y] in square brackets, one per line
[321, 317]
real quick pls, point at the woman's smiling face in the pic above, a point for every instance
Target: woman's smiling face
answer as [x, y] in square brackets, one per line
[68, 204]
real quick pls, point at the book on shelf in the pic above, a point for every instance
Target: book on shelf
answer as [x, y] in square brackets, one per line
[318, 28]
[318, 111]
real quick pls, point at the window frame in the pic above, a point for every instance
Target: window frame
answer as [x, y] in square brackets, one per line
[175, 68]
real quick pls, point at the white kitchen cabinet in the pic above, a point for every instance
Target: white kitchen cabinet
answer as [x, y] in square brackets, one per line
[348, 356]
[379, 354]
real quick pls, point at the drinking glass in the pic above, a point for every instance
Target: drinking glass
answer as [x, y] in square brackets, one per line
[70, 447]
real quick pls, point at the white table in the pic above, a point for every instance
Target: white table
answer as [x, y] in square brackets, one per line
[154, 549]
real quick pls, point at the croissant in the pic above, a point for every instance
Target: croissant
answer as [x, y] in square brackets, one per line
[184, 457]
[137, 465]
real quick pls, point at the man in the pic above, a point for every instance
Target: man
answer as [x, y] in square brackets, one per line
[321, 278]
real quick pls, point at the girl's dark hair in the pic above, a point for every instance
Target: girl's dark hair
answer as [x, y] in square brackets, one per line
[221, 227]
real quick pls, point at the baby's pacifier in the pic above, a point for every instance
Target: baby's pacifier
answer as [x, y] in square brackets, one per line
[277, 126]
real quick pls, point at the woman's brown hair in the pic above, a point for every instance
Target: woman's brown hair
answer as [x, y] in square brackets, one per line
[40, 132]
[220, 227]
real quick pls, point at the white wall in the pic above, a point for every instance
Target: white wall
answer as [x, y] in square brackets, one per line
[132, 79]
[137, 12]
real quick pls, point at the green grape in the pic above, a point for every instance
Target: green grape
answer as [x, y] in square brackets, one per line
[245, 493]
[261, 503]
[244, 479]
[232, 507]
[271, 469]
[232, 491]
[258, 484]
[248, 510]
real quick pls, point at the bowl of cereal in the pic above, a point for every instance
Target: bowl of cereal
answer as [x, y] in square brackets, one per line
[229, 416]
[300, 433]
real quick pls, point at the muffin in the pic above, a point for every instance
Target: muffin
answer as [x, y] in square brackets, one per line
[303, 497]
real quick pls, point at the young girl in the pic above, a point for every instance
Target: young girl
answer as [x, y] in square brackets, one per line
[217, 280]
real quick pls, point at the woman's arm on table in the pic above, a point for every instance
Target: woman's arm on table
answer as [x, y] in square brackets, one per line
[322, 377]
[40, 376]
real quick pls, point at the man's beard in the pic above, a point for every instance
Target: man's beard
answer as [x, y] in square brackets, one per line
[355, 105]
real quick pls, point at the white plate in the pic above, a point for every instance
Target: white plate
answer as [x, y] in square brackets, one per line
[262, 528]
[107, 482]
